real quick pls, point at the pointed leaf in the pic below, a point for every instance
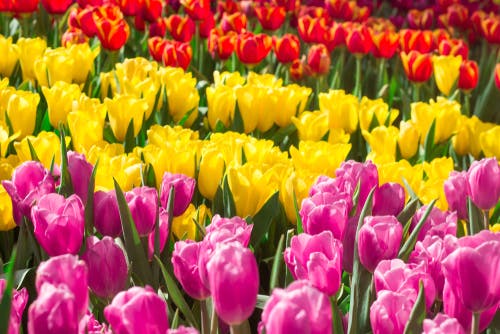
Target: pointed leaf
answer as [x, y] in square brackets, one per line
[6, 300]
[65, 187]
[278, 258]
[228, 200]
[129, 142]
[33, 154]
[417, 315]
[336, 318]
[475, 217]
[89, 206]
[300, 226]
[429, 142]
[408, 211]
[262, 219]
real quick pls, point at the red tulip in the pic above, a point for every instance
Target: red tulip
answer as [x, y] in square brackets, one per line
[417, 66]
[156, 45]
[271, 17]
[420, 19]
[206, 25]
[491, 29]
[197, 9]
[335, 36]
[286, 48]
[56, 6]
[236, 22]
[453, 47]
[86, 21]
[358, 39]
[151, 10]
[73, 36]
[23, 6]
[458, 15]
[221, 46]
[252, 49]
[177, 54]
[339, 9]
[129, 7]
[418, 40]
[385, 44]
[318, 59]
[312, 30]
[112, 34]
[180, 28]
[158, 28]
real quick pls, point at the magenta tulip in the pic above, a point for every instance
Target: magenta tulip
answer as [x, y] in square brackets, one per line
[439, 223]
[55, 311]
[89, 325]
[164, 230]
[185, 258]
[80, 171]
[388, 199]
[107, 214]
[484, 182]
[69, 271]
[183, 191]
[336, 186]
[59, 223]
[183, 330]
[137, 311]
[19, 301]
[317, 258]
[143, 204]
[391, 311]
[233, 277]
[108, 272]
[30, 181]
[228, 230]
[300, 308]
[379, 239]
[456, 190]
[322, 212]
[473, 269]
[442, 324]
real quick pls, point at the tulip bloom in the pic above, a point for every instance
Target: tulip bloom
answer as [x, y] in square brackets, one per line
[21, 110]
[112, 34]
[18, 303]
[442, 324]
[286, 48]
[221, 46]
[197, 9]
[231, 267]
[453, 47]
[228, 230]
[123, 109]
[416, 40]
[24, 6]
[469, 75]
[420, 19]
[177, 54]
[312, 30]
[318, 59]
[300, 308]
[137, 310]
[388, 199]
[183, 191]
[10, 52]
[180, 28]
[106, 214]
[446, 71]
[56, 7]
[252, 49]
[484, 182]
[417, 66]
[143, 204]
[317, 258]
[270, 17]
[385, 44]
[358, 39]
[80, 171]
[108, 272]
[236, 22]
[456, 190]
[391, 311]
[438, 222]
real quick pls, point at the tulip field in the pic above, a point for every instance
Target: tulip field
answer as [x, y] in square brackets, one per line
[281, 166]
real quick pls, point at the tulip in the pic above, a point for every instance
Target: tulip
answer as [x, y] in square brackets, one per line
[270, 17]
[177, 54]
[488, 141]
[469, 75]
[342, 109]
[385, 44]
[30, 49]
[91, 325]
[318, 59]
[408, 139]
[317, 258]
[366, 175]
[197, 9]
[60, 99]
[300, 308]
[183, 191]
[312, 30]
[382, 141]
[286, 48]
[358, 39]
[137, 310]
[206, 26]
[7, 222]
[21, 110]
[231, 267]
[438, 222]
[221, 45]
[122, 110]
[221, 105]
[484, 182]
[236, 22]
[10, 57]
[456, 189]
[228, 230]
[47, 146]
[252, 49]
[164, 233]
[112, 34]
[20, 7]
[56, 7]
[18, 303]
[183, 330]
[106, 214]
[294, 100]
[446, 71]
[417, 66]
[30, 181]
[185, 259]
[181, 29]
[453, 47]
[68, 271]
[143, 204]
[388, 199]
[442, 324]
[420, 19]
[86, 129]
[391, 311]
[211, 172]
[416, 40]
[335, 36]
[80, 171]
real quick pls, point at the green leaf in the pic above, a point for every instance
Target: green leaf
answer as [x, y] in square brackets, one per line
[495, 216]
[417, 315]
[261, 301]
[409, 210]
[66, 187]
[336, 318]
[89, 206]
[262, 219]
[237, 125]
[278, 258]
[429, 142]
[176, 295]
[288, 275]
[476, 217]
[129, 142]
[227, 199]
[186, 116]
[408, 246]
[361, 287]
[33, 154]
[300, 226]
[133, 245]
[5, 304]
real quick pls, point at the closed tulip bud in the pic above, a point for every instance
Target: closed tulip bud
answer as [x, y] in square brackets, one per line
[469, 75]
[442, 324]
[416, 40]
[231, 267]
[56, 7]
[80, 171]
[21, 110]
[317, 258]
[60, 99]
[236, 22]
[484, 182]
[221, 104]
[342, 109]
[312, 30]
[489, 142]
[108, 272]
[137, 310]
[453, 47]
[112, 34]
[30, 181]
[379, 239]
[164, 233]
[10, 56]
[143, 204]
[122, 110]
[211, 171]
[180, 28]
[66, 270]
[385, 43]
[221, 45]
[183, 191]
[30, 49]
[270, 17]
[197, 9]
[358, 39]
[300, 308]
[286, 48]
[106, 214]
[318, 59]
[446, 71]
[456, 190]
[84, 57]
[18, 303]
[391, 311]
[417, 66]
[388, 199]
[252, 49]
[420, 19]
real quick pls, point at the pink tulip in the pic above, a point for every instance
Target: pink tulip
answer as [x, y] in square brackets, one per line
[472, 271]
[228, 230]
[30, 181]
[69, 271]
[336, 186]
[183, 330]
[317, 258]
[19, 301]
[456, 189]
[397, 276]
[55, 311]
[89, 325]
[137, 311]
[233, 277]
[388, 199]
[300, 308]
[143, 204]
[439, 223]
[183, 191]
[108, 272]
[442, 324]
[59, 223]
[185, 258]
[391, 311]
[379, 239]
[80, 171]
[484, 182]
[322, 212]
[164, 230]
[106, 214]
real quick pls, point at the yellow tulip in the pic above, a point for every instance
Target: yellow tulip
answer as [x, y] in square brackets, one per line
[495, 228]
[109, 85]
[439, 168]
[212, 165]
[83, 57]
[125, 168]
[446, 71]
[399, 170]
[338, 136]
[86, 129]
[264, 80]
[122, 109]
[311, 125]
[298, 182]
[60, 98]
[265, 105]
[249, 105]
[408, 139]
[462, 138]
[292, 101]
[221, 104]
[264, 153]
[162, 135]
[5, 139]
[319, 157]
[6, 219]
[231, 79]
[383, 140]
[184, 226]
[104, 149]
[30, 49]
[55, 65]
[47, 147]
[490, 142]
[468, 137]
[433, 189]
[342, 109]
[375, 108]
[21, 110]
[10, 56]
[447, 116]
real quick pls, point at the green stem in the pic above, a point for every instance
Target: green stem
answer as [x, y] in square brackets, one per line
[214, 324]
[243, 328]
[205, 320]
[381, 75]
[475, 323]
[357, 87]
[466, 104]
[337, 317]
[486, 219]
